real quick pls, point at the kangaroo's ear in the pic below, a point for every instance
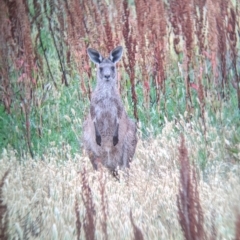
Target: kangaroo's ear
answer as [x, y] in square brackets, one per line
[116, 54]
[94, 55]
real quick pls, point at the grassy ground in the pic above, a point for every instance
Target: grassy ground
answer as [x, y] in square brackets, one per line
[42, 194]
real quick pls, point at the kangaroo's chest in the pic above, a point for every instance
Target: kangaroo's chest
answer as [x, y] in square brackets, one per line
[106, 113]
[107, 108]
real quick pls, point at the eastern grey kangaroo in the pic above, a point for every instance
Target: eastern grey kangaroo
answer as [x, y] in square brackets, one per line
[109, 135]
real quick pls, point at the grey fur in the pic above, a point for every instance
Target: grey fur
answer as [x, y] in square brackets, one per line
[109, 135]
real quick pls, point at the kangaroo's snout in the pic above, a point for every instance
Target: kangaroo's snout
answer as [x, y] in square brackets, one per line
[107, 77]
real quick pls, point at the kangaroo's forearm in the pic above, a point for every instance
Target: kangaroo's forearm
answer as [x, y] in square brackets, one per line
[97, 134]
[115, 135]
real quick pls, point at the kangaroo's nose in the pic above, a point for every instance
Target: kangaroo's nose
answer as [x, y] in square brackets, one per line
[107, 76]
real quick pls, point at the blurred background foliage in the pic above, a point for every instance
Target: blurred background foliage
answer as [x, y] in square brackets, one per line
[181, 60]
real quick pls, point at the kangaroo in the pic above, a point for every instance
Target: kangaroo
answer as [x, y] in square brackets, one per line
[109, 135]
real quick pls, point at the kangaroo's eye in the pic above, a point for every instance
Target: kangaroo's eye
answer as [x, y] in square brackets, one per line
[101, 69]
[112, 68]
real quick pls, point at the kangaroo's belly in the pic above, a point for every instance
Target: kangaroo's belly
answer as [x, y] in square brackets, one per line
[110, 156]
[106, 123]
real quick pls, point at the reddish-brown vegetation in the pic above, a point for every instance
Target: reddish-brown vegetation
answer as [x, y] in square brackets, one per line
[145, 28]
[190, 213]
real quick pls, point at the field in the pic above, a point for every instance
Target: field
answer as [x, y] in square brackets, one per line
[42, 195]
[179, 79]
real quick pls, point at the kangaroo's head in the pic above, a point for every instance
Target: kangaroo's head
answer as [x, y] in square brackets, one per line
[106, 67]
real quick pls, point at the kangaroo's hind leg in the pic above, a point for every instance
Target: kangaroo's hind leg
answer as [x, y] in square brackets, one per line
[129, 146]
[125, 157]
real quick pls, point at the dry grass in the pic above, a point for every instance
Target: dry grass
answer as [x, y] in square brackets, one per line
[44, 195]
[3, 211]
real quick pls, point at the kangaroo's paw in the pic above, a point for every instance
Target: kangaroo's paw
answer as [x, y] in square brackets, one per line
[115, 140]
[98, 140]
